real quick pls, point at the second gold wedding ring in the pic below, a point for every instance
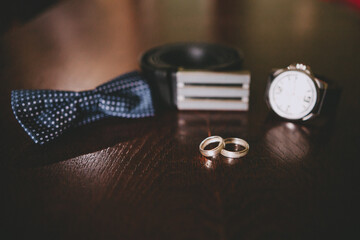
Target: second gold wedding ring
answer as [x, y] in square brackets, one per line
[235, 154]
[214, 151]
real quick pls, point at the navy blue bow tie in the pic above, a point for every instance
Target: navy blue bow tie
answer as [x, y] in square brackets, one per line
[46, 114]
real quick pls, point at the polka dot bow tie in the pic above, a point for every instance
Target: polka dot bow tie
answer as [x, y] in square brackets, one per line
[46, 114]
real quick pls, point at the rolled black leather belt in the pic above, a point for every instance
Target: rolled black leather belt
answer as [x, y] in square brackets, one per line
[196, 66]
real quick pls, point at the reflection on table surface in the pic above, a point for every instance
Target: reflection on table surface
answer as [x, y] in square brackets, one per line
[288, 141]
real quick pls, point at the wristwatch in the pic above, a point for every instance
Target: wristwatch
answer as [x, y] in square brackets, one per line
[295, 93]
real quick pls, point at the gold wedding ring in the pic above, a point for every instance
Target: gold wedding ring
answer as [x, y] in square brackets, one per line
[214, 151]
[235, 154]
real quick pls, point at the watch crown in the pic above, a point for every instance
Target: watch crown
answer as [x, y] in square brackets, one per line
[300, 66]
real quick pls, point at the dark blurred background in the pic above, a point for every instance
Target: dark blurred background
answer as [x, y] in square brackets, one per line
[18, 12]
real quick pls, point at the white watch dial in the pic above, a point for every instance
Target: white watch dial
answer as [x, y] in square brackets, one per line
[292, 94]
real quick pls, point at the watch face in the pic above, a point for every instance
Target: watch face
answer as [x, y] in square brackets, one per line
[292, 95]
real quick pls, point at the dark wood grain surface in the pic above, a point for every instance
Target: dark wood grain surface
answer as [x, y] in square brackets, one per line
[145, 178]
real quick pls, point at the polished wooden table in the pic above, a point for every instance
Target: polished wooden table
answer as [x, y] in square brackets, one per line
[145, 178]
